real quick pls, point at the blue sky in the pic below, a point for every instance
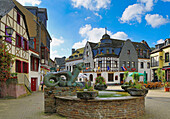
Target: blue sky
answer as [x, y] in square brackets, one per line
[72, 23]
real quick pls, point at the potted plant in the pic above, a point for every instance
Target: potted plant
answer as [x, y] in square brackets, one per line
[167, 87]
[100, 83]
[87, 92]
[137, 89]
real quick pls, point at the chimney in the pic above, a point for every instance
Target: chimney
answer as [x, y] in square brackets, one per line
[73, 50]
[144, 42]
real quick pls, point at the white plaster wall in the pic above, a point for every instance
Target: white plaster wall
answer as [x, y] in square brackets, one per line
[34, 74]
[71, 63]
[148, 70]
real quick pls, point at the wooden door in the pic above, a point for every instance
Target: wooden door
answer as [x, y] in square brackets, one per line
[33, 84]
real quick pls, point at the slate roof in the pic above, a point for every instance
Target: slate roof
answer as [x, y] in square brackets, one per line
[60, 61]
[5, 7]
[76, 53]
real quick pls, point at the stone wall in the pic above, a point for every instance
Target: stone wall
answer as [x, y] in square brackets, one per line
[126, 108]
[12, 90]
[51, 92]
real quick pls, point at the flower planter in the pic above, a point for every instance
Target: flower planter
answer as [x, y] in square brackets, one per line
[167, 89]
[124, 87]
[100, 87]
[86, 95]
[137, 92]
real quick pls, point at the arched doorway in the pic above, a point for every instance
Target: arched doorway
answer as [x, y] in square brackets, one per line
[91, 77]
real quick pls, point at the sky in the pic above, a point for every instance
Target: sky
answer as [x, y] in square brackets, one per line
[71, 23]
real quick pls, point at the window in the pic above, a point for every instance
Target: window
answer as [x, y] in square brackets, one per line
[108, 64]
[124, 63]
[116, 77]
[107, 51]
[42, 53]
[25, 67]
[141, 65]
[18, 18]
[112, 51]
[148, 65]
[34, 64]
[18, 66]
[128, 52]
[74, 66]
[133, 64]
[67, 68]
[91, 77]
[145, 54]
[18, 41]
[110, 77]
[115, 64]
[87, 64]
[100, 64]
[25, 44]
[141, 52]
[167, 57]
[101, 51]
[34, 43]
[128, 64]
[70, 68]
[99, 74]
[87, 53]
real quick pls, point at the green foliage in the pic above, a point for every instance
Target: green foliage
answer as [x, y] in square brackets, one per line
[130, 82]
[135, 77]
[100, 80]
[161, 75]
[5, 62]
[125, 75]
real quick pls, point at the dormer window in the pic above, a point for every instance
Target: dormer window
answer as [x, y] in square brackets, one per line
[76, 55]
[112, 51]
[101, 51]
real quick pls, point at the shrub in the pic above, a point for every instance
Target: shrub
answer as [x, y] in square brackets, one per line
[100, 80]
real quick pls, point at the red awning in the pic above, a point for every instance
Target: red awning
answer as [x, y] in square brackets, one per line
[166, 68]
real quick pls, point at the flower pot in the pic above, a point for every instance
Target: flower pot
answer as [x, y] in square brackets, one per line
[86, 95]
[124, 87]
[100, 87]
[137, 92]
[167, 89]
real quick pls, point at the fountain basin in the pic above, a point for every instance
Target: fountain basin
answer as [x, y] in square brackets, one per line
[100, 108]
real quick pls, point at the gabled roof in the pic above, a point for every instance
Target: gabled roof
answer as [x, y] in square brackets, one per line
[76, 53]
[5, 7]
[30, 19]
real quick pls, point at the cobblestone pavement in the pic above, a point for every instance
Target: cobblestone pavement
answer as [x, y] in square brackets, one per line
[31, 107]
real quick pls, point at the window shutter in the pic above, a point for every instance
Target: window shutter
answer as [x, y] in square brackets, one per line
[33, 63]
[27, 45]
[21, 67]
[7, 38]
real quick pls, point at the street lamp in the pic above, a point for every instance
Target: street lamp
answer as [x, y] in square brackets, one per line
[9, 30]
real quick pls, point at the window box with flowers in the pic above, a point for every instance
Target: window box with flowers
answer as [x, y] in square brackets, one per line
[100, 83]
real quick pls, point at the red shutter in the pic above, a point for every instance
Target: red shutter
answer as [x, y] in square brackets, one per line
[21, 67]
[27, 68]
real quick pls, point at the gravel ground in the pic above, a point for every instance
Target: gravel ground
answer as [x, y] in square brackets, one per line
[157, 106]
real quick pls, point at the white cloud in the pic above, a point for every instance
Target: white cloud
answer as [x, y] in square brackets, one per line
[156, 20]
[120, 35]
[95, 34]
[29, 2]
[160, 41]
[80, 44]
[87, 18]
[136, 11]
[98, 15]
[93, 5]
[56, 41]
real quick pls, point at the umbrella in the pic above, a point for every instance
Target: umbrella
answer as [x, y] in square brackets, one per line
[140, 74]
[145, 81]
